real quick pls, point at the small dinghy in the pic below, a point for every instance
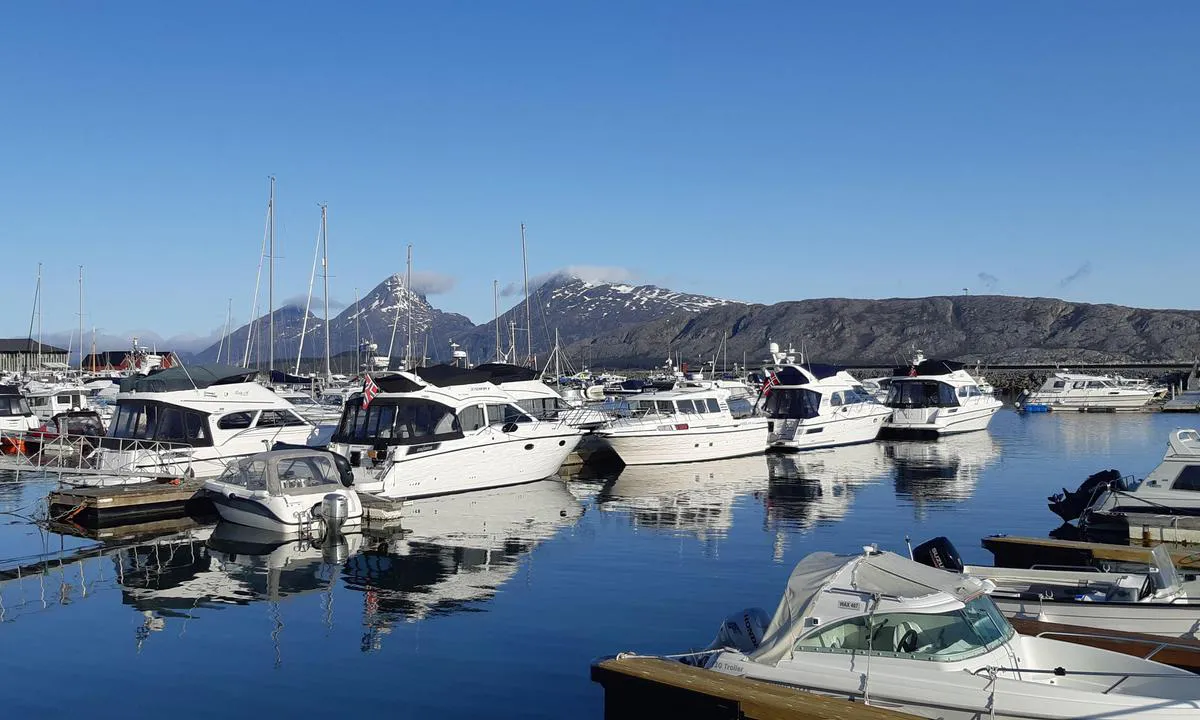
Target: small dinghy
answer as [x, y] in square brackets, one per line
[298, 490]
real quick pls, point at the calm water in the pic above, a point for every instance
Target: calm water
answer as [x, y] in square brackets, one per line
[493, 604]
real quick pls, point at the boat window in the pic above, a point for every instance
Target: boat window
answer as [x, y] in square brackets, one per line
[398, 422]
[1059, 385]
[235, 421]
[471, 418]
[713, 405]
[963, 391]
[278, 418]
[246, 472]
[540, 408]
[1094, 384]
[10, 406]
[835, 400]
[145, 420]
[790, 403]
[505, 414]
[974, 391]
[685, 406]
[1189, 479]
[64, 399]
[700, 406]
[301, 474]
[859, 394]
[664, 407]
[1078, 385]
[920, 394]
[975, 629]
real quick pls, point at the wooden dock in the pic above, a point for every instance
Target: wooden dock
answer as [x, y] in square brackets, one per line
[1024, 552]
[98, 507]
[1183, 653]
[653, 688]
[1156, 529]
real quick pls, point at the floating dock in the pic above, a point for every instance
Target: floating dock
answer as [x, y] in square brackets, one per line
[1025, 552]
[653, 688]
[109, 506]
[1156, 529]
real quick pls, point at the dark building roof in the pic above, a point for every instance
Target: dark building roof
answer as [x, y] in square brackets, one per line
[25, 345]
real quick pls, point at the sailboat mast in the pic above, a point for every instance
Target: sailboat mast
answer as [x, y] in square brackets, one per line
[357, 335]
[80, 319]
[39, 316]
[496, 311]
[312, 278]
[225, 332]
[325, 274]
[93, 349]
[557, 353]
[37, 292]
[271, 278]
[408, 346]
[528, 317]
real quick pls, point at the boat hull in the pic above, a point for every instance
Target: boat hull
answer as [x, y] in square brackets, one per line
[826, 432]
[940, 421]
[1123, 401]
[1176, 620]
[655, 447]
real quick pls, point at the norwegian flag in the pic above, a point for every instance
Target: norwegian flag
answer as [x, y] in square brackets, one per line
[912, 372]
[771, 381]
[370, 390]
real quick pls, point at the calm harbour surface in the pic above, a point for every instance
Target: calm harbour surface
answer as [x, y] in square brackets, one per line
[493, 604]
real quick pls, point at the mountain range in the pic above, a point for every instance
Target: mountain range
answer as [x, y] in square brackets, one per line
[625, 325]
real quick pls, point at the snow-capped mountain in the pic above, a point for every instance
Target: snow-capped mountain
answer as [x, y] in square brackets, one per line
[580, 309]
[384, 307]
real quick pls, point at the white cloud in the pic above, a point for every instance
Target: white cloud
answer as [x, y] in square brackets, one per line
[425, 282]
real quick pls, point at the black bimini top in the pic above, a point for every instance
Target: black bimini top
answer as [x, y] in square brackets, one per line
[497, 373]
[789, 375]
[187, 378]
[284, 378]
[929, 367]
[10, 390]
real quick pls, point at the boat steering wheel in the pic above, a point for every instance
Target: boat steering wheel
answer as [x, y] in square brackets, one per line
[908, 643]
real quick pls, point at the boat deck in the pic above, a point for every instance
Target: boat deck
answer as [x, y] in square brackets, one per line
[1025, 552]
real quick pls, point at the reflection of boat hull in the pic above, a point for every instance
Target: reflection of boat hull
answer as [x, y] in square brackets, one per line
[652, 446]
[940, 421]
[827, 432]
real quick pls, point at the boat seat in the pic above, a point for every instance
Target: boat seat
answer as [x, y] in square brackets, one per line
[903, 637]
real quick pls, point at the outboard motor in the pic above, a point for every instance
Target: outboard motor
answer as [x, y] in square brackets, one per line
[1070, 505]
[335, 509]
[743, 631]
[939, 553]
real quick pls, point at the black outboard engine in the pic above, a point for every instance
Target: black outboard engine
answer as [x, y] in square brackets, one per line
[1070, 505]
[939, 553]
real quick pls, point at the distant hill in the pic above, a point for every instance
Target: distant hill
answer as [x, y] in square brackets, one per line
[995, 329]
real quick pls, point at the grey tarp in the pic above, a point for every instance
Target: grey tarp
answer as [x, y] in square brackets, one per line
[883, 573]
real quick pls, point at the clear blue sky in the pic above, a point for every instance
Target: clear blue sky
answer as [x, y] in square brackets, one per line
[761, 151]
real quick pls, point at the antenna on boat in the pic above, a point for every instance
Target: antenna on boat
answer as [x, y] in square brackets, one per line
[908, 543]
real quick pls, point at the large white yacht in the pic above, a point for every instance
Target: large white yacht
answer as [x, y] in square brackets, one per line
[683, 426]
[886, 630]
[445, 429]
[15, 413]
[1172, 488]
[1075, 391]
[539, 399]
[190, 422]
[938, 397]
[812, 406]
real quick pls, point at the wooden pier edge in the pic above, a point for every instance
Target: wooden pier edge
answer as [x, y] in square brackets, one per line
[648, 687]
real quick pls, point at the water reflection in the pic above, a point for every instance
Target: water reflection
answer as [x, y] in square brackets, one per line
[451, 552]
[688, 497]
[810, 488]
[943, 470]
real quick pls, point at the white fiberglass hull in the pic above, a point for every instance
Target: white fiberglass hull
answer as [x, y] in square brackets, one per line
[1175, 620]
[827, 431]
[256, 519]
[652, 446]
[471, 463]
[942, 421]
[1116, 400]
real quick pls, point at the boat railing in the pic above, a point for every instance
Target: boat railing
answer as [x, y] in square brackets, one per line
[993, 671]
[65, 455]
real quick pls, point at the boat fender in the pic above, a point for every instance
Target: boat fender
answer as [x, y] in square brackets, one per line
[939, 553]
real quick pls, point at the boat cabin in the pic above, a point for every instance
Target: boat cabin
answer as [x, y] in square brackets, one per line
[15, 413]
[58, 400]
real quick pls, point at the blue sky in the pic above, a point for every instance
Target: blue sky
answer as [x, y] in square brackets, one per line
[761, 151]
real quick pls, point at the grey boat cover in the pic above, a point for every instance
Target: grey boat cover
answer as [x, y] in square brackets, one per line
[285, 472]
[882, 573]
[186, 378]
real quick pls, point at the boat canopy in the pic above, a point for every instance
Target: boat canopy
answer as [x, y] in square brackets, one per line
[500, 373]
[285, 378]
[929, 367]
[193, 377]
[823, 587]
[496, 373]
[284, 472]
[10, 390]
[395, 383]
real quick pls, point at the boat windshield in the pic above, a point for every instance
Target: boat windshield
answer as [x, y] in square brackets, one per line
[793, 403]
[920, 394]
[160, 422]
[403, 421]
[11, 406]
[975, 629]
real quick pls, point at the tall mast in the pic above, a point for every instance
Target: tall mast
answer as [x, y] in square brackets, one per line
[253, 327]
[80, 320]
[557, 352]
[33, 313]
[528, 318]
[312, 278]
[39, 316]
[325, 274]
[496, 310]
[408, 348]
[271, 278]
[357, 336]
[225, 332]
[93, 348]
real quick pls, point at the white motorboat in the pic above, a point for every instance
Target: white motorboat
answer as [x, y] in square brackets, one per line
[445, 429]
[1172, 488]
[50, 399]
[1155, 602]
[539, 399]
[889, 631]
[190, 422]
[15, 414]
[316, 411]
[812, 406]
[938, 397]
[1075, 391]
[683, 426]
[297, 490]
